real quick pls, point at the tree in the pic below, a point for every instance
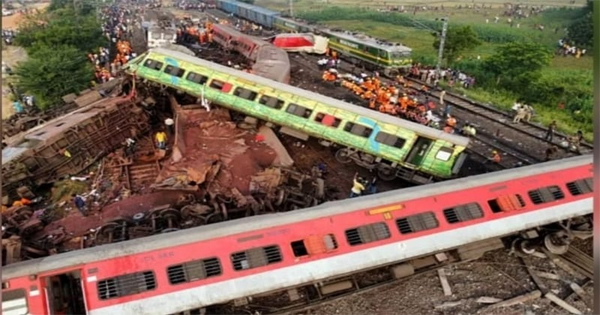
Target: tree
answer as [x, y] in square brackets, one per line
[516, 64]
[458, 40]
[61, 27]
[581, 31]
[51, 73]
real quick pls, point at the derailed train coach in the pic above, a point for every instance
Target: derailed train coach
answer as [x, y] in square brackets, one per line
[391, 146]
[373, 54]
[69, 144]
[309, 249]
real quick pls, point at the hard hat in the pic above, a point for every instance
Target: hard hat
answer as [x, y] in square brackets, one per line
[494, 152]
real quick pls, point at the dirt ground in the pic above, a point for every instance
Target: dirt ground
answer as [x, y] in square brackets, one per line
[12, 55]
[496, 275]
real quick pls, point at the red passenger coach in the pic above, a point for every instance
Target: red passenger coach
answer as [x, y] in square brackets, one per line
[221, 262]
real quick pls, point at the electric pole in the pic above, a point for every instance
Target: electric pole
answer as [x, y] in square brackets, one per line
[442, 40]
[292, 8]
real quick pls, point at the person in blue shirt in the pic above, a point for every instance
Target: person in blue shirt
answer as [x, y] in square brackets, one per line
[80, 204]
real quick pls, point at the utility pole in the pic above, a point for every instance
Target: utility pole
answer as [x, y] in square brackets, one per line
[292, 8]
[441, 50]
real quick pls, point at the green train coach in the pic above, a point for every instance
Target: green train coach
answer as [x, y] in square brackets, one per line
[360, 49]
[391, 146]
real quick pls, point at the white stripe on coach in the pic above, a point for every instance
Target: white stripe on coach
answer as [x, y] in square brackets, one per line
[228, 290]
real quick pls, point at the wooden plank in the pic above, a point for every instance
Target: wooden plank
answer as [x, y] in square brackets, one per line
[582, 294]
[444, 281]
[488, 300]
[568, 307]
[548, 275]
[538, 282]
[519, 299]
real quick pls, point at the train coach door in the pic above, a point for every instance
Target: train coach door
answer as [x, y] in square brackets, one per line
[64, 293]
[419, 151]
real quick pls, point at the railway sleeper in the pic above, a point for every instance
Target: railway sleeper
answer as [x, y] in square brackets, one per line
[308, 295]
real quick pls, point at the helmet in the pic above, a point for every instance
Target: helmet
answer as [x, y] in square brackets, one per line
[494, 152]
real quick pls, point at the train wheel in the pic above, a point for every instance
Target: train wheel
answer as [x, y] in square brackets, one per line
[214, 218]
[525, 247]
[386, 173]
[557, 243]
[343, 156]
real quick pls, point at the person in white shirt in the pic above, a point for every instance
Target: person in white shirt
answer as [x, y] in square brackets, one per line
[170, 123]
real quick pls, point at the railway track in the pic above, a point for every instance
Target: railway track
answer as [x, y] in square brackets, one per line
[307, 297]
[517, 147]
[534, 132]
[522, 143]
[483, 143]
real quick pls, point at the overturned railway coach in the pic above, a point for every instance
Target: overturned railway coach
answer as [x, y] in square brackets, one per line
[391, 146]
[69, 144]
[269, 61]
[215, 264]
[360, 49]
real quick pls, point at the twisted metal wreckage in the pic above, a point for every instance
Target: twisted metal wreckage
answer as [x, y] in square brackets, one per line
[73, 143]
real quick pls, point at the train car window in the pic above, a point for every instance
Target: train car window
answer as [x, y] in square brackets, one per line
[196, 78]
[313, 245]
[14, 302]
[444, 154]
[328, 120]
[546, 194]
[298, 110]
[507, 203]
[128, 284]
[391, 140]
[582, 186]
[194, 270]
[462, 213]
[178, 72]
[245, 93]
[367, 233]
[256, 257]
[358, 130]
[153, 64]
[272, 102]
[417, 222]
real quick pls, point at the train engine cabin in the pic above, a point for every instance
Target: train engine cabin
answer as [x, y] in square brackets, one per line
[383, 143]
[370, 52]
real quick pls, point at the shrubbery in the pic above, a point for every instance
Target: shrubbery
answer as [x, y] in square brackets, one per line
[501, 80]
[57, 42]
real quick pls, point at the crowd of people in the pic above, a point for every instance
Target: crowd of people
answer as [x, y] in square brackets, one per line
[567, 47]
[395, 98]
[117, 26]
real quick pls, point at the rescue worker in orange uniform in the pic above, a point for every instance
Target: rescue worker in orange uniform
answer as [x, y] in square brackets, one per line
[368, 85]
[329, 77]
[450, 124]
[372, 101]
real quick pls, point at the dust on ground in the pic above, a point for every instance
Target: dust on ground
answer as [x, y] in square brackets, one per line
[11, 22]
[11, 55]
[495, 275]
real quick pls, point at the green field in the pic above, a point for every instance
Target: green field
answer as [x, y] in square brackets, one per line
[377, 4]
[415, 31]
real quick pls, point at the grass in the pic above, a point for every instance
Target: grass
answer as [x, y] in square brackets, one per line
[420, 39]
[62, 190]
